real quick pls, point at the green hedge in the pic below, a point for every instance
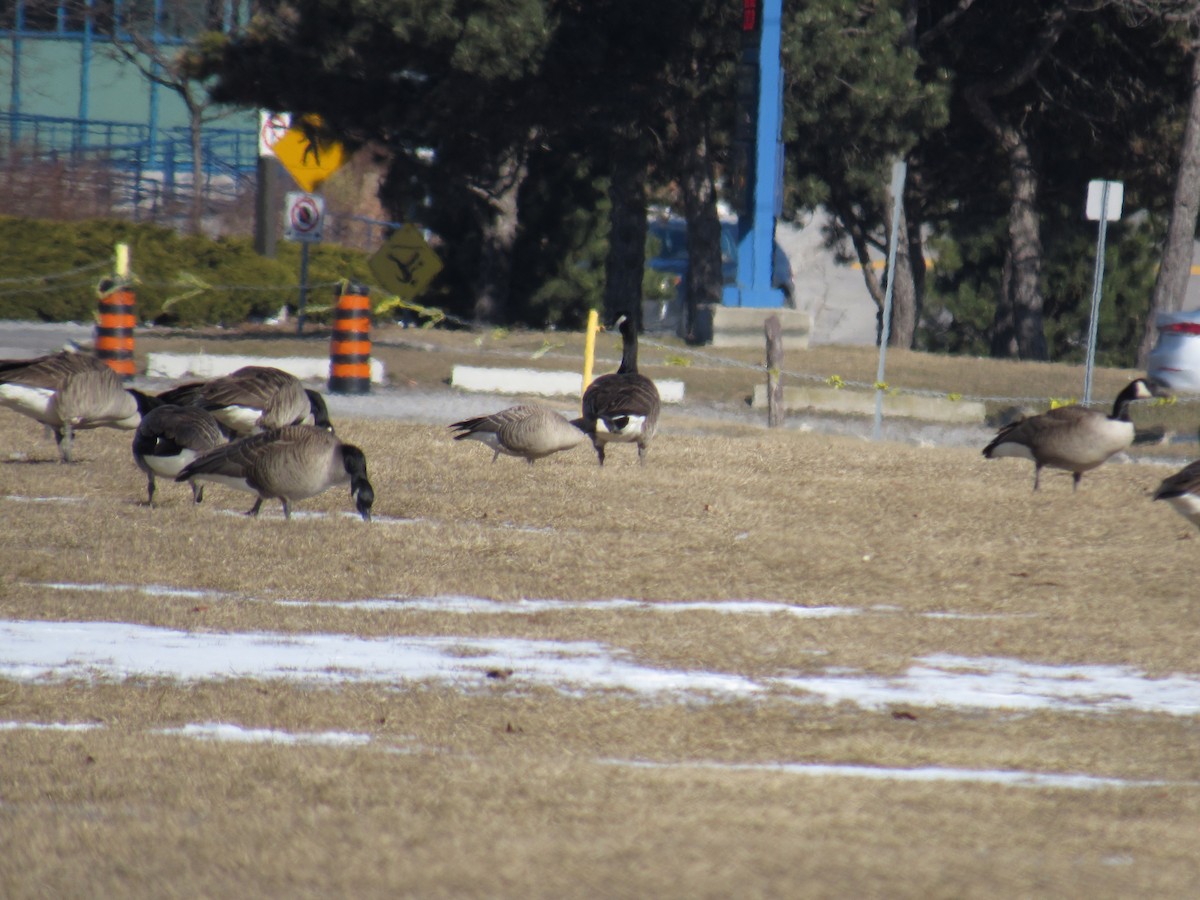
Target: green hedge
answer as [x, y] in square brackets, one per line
[50, 271]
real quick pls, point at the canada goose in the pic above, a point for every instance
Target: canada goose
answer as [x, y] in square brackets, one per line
[170, 437]
[68, 392]
[255, 398]
[622, 406]
[532, 432]
[1182, 491]
[1073, 437]
[288, 464]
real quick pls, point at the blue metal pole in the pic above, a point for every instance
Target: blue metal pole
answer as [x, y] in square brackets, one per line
[152, 119]
[14, 103]
[756, 231]
[85, 71]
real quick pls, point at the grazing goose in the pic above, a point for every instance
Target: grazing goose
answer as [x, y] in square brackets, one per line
[1182, 491]
[287, 464]
[69, 392]
[169, 438]
[256, 398]
[1073, 438]
[532, 432]
[623, 406]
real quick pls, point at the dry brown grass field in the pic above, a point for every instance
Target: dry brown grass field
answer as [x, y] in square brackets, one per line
[873, 564]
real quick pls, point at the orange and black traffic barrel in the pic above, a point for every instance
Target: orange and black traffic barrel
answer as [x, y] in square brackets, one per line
[350, 348]
[114, 327]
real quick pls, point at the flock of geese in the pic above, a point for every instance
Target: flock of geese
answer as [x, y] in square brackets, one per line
[260, 430]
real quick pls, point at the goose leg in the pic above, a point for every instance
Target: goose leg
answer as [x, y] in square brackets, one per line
[641, 453]
[149, 490]
[197, 492]
[1075, 476]
[287, 510]
[600, 453]
[1037, 476]
[64, 437]
[253, 511]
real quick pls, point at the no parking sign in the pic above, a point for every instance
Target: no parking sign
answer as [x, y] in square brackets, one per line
[305, 217]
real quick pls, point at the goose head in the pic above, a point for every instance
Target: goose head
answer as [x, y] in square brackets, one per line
[1138, 389]
[320, 412]
[355, 463]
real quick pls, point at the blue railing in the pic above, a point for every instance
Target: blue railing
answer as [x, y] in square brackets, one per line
[224, 151]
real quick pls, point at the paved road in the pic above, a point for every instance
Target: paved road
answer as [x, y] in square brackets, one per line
[21, 340]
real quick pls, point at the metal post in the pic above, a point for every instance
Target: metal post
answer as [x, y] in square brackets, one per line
[1097, 288]
[266, 204]
[303, 288]
[899, 170]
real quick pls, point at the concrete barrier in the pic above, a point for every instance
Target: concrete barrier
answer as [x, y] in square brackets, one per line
[862, 403]
[205, 365]
[742, 326]
[539, 382]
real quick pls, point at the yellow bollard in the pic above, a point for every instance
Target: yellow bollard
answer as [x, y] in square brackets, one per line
[589, 346]
[116, 319]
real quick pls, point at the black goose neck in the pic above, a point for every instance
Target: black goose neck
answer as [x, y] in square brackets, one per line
[629, 348]
[1120, 411]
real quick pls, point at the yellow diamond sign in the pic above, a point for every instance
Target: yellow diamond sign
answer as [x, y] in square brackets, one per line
[405, 264]
[308, 156]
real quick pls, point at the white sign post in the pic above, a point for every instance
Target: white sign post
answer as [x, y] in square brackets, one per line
[1104, 199]
[305, 219]
[899, 172]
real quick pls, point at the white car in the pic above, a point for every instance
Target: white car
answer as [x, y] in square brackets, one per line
[1175, 359]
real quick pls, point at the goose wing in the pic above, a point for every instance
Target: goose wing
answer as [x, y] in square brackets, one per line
[1185, 481]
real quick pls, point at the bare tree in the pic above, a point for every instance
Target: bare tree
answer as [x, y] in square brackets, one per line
[1170, 286]
[171, 61]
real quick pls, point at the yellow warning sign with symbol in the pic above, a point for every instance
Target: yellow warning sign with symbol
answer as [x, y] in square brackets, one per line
[308, 155]
[405, 264]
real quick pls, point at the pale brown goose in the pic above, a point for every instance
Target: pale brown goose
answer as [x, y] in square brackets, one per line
[621, 407]
[255, 398]
[286, 464]
[169, 438]
[1072, 438]
[69, 392]
[1182, 491]
[529, 431]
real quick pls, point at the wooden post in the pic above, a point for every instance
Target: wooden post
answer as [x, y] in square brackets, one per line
[774, 333]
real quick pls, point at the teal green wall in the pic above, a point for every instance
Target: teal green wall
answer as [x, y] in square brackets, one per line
[50, 85]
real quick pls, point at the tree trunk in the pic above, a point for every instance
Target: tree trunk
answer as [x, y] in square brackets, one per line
[903, 332]
[1024, 255]
[626, 261]
[1171, 285]
[1004, 330]
[705, 279]
[498, 235]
